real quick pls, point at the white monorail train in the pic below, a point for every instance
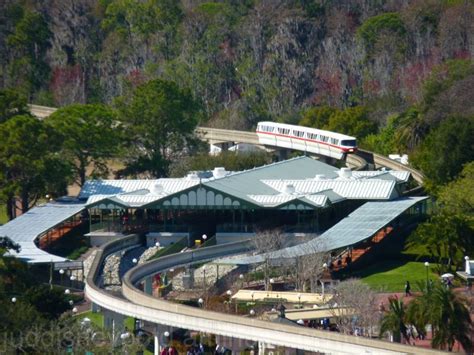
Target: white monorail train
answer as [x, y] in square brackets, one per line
[332, 144]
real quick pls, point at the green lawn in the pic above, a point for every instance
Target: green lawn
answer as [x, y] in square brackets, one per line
[391, 275]
[96, 318]
[3, 214]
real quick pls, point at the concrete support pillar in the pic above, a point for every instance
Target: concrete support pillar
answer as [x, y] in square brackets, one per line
[156, 349]
[261, 348]
[188, 278]
[95, 308]
[114, 323]
[149, 285]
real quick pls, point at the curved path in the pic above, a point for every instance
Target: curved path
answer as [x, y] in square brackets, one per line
[142, 306]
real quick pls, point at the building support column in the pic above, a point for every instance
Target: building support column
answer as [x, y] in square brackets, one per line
[149, 285]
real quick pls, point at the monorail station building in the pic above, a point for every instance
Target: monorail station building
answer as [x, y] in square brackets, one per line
[300, 195]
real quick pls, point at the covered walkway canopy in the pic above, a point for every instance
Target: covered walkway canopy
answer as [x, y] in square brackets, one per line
[361, 224]
[25, 229]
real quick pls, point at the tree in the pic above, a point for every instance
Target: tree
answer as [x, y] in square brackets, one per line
[353, 121]
[317, 117]
[160, 119]
[30, 165]
[449, 233]
[448, 315]
[447, 238]
[29, 43]
[90, 134]
[354, 306]
[51, 303]
[395, 320]
[307, 270]
[265, 242]
[12, 103]
[445, 150]
[458, 196]
[7, 244]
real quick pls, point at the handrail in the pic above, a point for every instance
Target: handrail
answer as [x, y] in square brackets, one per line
[146, 307]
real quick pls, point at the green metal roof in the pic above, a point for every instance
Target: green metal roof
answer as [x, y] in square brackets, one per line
[249, 182]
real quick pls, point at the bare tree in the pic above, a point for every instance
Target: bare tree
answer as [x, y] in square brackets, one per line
[310, 267]
[265, 242]
[354, 306]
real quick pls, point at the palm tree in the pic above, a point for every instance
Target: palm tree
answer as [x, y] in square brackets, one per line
[394, 320]
[448, 315]
[452, 320]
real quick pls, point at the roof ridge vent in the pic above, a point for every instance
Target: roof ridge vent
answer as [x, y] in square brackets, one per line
[219, 172]
[289, 189]
[192, 176]
[320, 177]
[345, 173]
[157, 189]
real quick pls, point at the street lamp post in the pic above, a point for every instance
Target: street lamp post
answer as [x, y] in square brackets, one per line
[200, 302]
[204, 276]
[241, 278]
[229, 294]
[252, 294]
[61, 272]
[325, 267]
[299, 298]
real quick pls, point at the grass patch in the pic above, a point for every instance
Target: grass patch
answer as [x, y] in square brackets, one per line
[391, 275]
[171, 249]
[96, 318]
[3, 214]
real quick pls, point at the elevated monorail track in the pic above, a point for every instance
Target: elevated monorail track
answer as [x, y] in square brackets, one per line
[138, 304]
[360, 161]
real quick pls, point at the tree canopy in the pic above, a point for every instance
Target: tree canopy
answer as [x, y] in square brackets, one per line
[90, 135]
[353, 121]
[445, 150]
[12, 103]
[160, 119]
[30, 163]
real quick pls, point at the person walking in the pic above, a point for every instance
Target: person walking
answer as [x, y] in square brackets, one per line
[407, 288]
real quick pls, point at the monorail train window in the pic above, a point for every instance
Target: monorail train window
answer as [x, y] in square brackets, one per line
[298, 133]
[334, 141]
[312, 136]
[267, 129]
[324, 138]
[349, 142]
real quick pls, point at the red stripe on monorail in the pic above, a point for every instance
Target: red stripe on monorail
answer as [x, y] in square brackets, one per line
[346, 150]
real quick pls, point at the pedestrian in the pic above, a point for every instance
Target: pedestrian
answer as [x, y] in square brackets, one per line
[407, 288]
